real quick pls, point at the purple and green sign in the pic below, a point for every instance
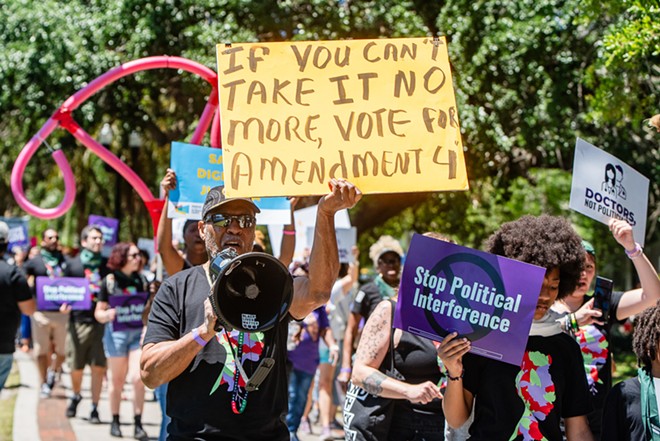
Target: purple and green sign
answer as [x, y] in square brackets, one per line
[486, 298]
[129, 309]
[52, 293]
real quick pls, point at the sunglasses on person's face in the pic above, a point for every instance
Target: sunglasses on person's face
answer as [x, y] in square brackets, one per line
[133, 256]
[391, 262]
[223, 221]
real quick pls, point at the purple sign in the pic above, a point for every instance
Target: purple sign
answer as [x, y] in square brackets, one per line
[109, 226]
[18, 232]
[487, 298]
[129, 310]
[52, 293]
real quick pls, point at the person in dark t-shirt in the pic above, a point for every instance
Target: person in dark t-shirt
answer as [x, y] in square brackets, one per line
[48, 327]
[15, 298]
[206, 371]
[631, 408]
[525, 402]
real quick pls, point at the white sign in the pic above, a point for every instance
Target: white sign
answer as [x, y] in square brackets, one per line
[303, 218]
[604, 188]
[346, 239]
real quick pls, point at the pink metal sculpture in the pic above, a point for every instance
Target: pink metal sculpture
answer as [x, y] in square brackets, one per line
[62, 117]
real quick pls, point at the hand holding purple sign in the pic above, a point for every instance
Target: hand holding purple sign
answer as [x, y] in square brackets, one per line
[53, 293]
[128, 310]
[486, 298]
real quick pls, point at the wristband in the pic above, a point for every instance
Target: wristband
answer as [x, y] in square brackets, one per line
[289, 232]
[334, 348]
[455, 378]
[634, 253]
[198, 339]
[345, 370]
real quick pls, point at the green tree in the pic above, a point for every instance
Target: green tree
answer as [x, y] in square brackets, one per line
[530, 76]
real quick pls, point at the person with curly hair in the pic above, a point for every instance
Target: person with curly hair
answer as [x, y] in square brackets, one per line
[526, 402]
[631, 408]
[591, 331]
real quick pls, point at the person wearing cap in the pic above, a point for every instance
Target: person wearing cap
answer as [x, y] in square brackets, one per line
[48, 327]
[584, 321]
[16, 298]
[386, 254]
[206, 370]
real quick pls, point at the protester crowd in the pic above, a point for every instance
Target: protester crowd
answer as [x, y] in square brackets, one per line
[343, 356]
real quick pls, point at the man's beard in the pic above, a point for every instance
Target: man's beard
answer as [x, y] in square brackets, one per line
[211, 247]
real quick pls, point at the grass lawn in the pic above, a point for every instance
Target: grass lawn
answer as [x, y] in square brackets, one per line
[7, 404]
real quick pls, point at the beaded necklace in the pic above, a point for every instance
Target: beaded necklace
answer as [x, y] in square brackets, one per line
[239, 397]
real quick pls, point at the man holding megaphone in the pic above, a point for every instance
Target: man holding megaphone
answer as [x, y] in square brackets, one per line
[217, 332]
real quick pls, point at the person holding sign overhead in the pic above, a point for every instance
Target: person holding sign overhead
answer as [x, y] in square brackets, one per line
[206, 369]
[194, 252]
[123, 330]
[585, 321]
[526, 402]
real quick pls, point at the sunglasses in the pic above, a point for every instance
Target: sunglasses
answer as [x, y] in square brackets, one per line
[223, 221]
[389, 261]
[133, 256]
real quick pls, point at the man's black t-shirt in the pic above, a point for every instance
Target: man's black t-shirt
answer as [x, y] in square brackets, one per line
[94, 276]
[531, 399]
[13, 289]
[622, 415]
[199, 400]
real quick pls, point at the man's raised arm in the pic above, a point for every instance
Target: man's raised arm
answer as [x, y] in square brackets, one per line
[314, 291]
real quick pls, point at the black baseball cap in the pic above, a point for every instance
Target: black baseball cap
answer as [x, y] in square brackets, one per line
[216, 198]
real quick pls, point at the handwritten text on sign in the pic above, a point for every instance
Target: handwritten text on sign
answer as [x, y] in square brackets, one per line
[381, 113]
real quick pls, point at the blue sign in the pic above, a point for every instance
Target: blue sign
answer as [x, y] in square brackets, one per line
[198, 169]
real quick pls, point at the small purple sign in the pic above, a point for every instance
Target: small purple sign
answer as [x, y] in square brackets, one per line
[129, 310]
[52, 293]
[109, 226]
[487, 298]
[18, 232]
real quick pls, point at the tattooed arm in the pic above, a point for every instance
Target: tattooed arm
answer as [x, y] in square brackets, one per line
[373, 347]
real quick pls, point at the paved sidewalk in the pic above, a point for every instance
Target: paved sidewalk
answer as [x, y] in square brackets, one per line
[38, 419]
[45, 419]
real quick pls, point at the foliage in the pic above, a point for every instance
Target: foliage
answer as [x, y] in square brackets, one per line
[530, 76]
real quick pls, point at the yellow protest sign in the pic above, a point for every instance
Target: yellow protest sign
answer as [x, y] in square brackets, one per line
[380, 113]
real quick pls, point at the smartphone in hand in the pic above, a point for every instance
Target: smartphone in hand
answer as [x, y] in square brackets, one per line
[603, 297]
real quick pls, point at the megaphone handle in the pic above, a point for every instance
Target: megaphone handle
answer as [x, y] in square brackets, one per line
[264, 368]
